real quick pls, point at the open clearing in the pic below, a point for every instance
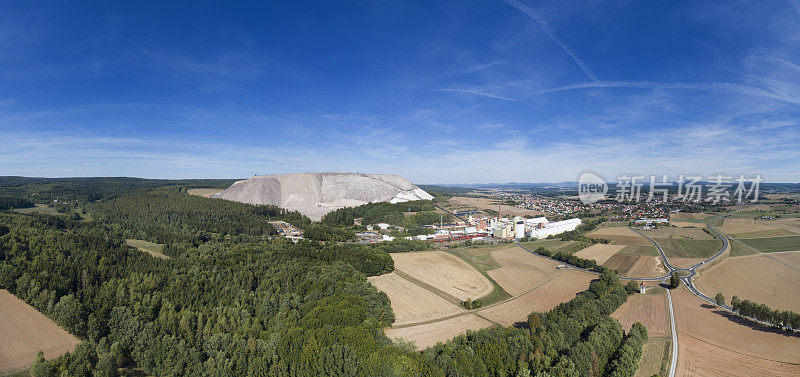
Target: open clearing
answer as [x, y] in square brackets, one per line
[493, 204]
[599, 252]
[705, 330]
[756, 278]
[428, 334]
[24, 331]
[154, 249]
[649, 309]
[204, 192]
[39, 208]
[410, 302]
[521, 270]
[620, 235]
[445, 272]
[559, 289]
[773, 244]
[646, 267]
[655, 352]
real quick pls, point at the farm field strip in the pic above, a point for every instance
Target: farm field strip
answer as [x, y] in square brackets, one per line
[714, 326]
[558, 289]
[151, 248]
[24, 331]
[756, 278]
[773, 244]
[521, 270]
[428, 334]
[445, 272]
[410, 302]
[649, 309]
[599, 252]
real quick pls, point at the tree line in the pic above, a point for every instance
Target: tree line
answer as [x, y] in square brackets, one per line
[786, 319]
[576, 338]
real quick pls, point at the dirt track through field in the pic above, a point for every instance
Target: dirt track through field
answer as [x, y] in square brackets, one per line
[559, 289]
[428, 334]
[24, 331]
[521, 270]
[445, 272]
[410, 302]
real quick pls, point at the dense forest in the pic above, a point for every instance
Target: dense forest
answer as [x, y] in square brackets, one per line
[408, 215]
[169, 215]
[236, 300]
[45, 190]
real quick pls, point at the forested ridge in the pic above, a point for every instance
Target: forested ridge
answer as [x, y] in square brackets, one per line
[236, 300]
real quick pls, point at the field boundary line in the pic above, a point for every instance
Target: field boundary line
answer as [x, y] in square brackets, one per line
[764, 254]
[442, 294]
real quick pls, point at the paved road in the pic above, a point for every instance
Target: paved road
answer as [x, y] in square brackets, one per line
[674, 363]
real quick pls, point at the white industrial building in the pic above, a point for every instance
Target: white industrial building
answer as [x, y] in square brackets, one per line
[552, 228]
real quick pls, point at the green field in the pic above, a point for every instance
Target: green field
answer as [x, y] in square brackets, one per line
[40, 208]
[640, 250]
[738, 250]
[763, 233]
[681, 248]
[773, 244]
[552, 245]
[480, 258]
[153, 249]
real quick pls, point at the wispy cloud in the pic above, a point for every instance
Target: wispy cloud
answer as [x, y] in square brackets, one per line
[477, 92]
[722, 87]
[552, 35]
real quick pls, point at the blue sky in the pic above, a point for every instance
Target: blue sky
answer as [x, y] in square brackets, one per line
[438, 92]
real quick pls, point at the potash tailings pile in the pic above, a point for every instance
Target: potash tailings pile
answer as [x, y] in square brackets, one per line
[315, 194]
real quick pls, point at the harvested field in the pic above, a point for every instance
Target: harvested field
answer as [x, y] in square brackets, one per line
[493, 204]
[428, 334]
[696, 233]
[737, 225]
[791, 258]
[559, 289]
[686, 224]
[792, 225]
[204, 192]
[651, 310]
[655, 353]
[688, 215]
[445, 272]
[774, 232]
[685, 262]
[682, 248]
[622, 262]
[599, 252]
[737, 344]
[154, 249]
[756, 278]
[694, 359]
[773, 244]
[521, 270]
[646, 267]
[619, 235]
[24, 331]
[410, 302]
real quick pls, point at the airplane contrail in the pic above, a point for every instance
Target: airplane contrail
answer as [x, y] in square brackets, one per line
[477, 92]
[546, 29]
[723, 87]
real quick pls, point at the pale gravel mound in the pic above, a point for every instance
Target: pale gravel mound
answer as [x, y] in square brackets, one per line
[315, 194]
